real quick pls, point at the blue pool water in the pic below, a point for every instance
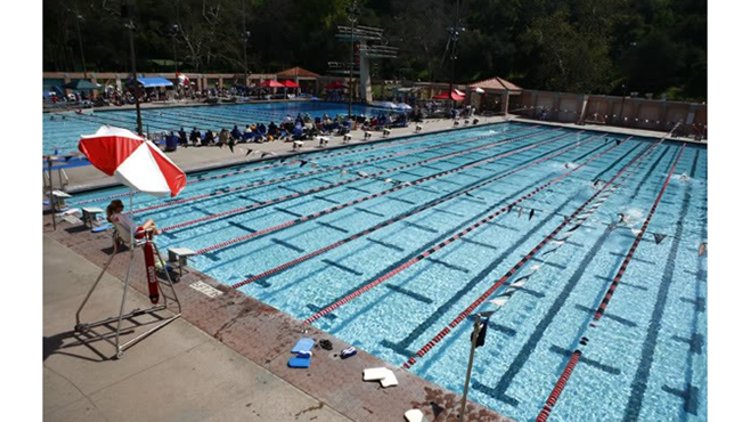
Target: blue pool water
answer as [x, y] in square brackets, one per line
[646, 360]
[63, 135]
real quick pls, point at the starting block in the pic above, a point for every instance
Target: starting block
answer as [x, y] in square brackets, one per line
[297, 146]
[386, 132]
[347, 138]
[59, 198]
[180, 256]
[90, 215]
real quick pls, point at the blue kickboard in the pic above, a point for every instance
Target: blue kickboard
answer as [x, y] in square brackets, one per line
[303, 345]
[302, 360]
[101, 228]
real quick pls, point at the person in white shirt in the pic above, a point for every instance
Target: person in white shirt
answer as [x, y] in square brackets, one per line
[115, 216]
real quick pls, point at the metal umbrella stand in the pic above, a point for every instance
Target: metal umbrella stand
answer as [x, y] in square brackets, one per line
[135, 162]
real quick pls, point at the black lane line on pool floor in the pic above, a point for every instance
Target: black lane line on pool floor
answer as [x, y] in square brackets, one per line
[295, 176]
[642, 374]
[581, 209]
[411, 260]
[469, 165]
[458, 193]
[402, 346]
[244, 209]
[499, 391]
[635, 399]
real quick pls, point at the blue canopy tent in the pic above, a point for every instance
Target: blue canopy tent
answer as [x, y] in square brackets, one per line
[155, 82]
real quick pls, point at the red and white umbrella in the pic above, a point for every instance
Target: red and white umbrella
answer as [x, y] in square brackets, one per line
[133, 161]
[182, 79]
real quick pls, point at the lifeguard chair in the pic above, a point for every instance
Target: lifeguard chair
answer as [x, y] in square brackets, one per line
[164, 288]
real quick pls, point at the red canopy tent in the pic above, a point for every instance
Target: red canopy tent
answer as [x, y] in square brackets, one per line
[336, 85]
[271, 83]
[456, 95]
[290, 84]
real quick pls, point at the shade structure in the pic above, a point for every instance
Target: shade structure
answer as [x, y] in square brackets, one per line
[456, 95]
[336, 85]
[404, 106]
[290, 84]
[154, 82]
[133, 161]
[271, 83]
[478, 90]
[82, 85]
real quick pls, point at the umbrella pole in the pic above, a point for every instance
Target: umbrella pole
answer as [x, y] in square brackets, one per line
[51, 196]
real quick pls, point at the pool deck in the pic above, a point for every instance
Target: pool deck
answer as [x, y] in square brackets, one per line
[225, 360]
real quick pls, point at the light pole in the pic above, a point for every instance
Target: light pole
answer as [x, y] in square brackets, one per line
[625, 86]
[127, 11]
[245, 38]
[477, 340]
[454, 31]
[79, 18]
[174, 30]
[353, 14]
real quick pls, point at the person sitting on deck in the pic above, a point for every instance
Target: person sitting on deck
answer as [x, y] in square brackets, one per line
[223, 138]
[116, 217]
[236, 134]
[208, 139]
[195, 137]
[171, 142]
[273, 130]
[183, 137]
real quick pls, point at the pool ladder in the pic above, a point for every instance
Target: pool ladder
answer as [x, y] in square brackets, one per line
[62, 177]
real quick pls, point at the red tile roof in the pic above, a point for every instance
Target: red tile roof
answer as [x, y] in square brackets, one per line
[296, 72]
[496, 83]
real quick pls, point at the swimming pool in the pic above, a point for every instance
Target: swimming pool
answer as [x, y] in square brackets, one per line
[63, 135]
[392, 246]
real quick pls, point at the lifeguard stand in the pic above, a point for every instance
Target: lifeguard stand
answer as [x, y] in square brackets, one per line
[167, 295]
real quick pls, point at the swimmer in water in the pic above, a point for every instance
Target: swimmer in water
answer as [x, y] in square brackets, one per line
[684, 178]
[702, 248]
[623, 218]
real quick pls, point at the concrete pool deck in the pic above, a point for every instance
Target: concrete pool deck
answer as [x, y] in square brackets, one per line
[225, 360]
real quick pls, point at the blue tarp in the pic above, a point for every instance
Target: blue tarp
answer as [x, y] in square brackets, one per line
[154, 82]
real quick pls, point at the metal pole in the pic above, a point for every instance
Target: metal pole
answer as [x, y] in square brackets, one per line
[80, 44]
[351, 63]
[622, 104]
[454, 39]
[244, 38]
[474, 336]
[136, 87]
[51, 196]
[174, 55]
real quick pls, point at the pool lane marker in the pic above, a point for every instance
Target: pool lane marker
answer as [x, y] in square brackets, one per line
[295, 176]
[450, 240]
[400, 217]
[342, 182]
[575, 357]
[373, 196]
[293, 161]
[528, 257]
